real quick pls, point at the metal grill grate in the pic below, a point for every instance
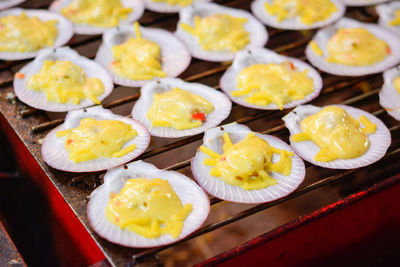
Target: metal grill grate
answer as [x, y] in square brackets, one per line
[174, 154]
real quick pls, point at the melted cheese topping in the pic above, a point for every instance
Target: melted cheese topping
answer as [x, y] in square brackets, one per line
[396, 84]
[182, 3]
[247, 163]
[309, 11]
[26, 34]
[137, 58]
[100, 13]
[396, 20]
[356, 47]
[65, 82]
[178, 109]
[94, 139]
[219, 32]
[148, 207]
[264, 84]
[339, 135]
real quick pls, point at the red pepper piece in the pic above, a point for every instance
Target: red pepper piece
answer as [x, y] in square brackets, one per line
[199, 116]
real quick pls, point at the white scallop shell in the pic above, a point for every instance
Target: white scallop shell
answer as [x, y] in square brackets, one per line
[379, 141]
[222, 190]
[222, 106]
[251, 56]
[64, 27]
[258, 9]
[137, 12]
[386, 14]
[175, 58]
[163, 7]
[186, 189]
[39, 100]
[322, 37]
[258, 33]
[55, 154]
[389, 98]
[362, 2]
[10, 3]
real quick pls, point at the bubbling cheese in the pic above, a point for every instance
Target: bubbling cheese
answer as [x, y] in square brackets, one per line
[137, 58]
[94, 139]
[20, 33]
[64, 82]
[356, 47]
[149, 207]
[99, 13]
[178, 109]
[219, 32]
[247, 163]
[263, 84]
[309, 11]
[339, 135]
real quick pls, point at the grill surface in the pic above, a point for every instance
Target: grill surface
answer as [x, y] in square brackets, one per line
[32, 125]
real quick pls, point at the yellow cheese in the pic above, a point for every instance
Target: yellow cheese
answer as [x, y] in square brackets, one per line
[356, 47]
[182, 3]
[247, 163]
[149, 207]
[316, 49]
[396, 84]
[137, 58]
[178, 109]
[309, 11]
[263, 84]
[26, 34]
[219, 32]
[64, 82]
[339, 135]
[396, 20]
[100, 13]
[94, 139]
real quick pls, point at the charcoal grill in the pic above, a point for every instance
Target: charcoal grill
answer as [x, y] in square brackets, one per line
[368, 192]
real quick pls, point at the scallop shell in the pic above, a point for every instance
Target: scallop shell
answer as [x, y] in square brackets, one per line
[55, 154]
[258, 33]
[379, 141]
[362, 2]
[136, 5]
[322, 37]
[222, 190]
[10, 3]
[64, 27]
[114, 180]
[163, 7]
[386, 14]
[222, 106]
[257, 55]
[39, 100]
[258, 9]
[175, 58]
[389, 98]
